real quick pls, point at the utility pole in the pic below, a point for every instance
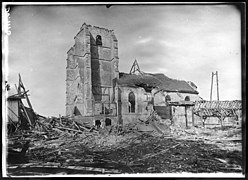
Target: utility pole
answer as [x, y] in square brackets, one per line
[211, 86]
[217, 83]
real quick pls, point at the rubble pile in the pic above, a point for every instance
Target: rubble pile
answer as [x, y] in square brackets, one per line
[64, 146]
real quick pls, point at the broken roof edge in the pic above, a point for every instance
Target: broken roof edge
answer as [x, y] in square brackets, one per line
[161, 81]
[156, 74]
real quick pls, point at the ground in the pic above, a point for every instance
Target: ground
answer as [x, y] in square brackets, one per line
[192, 150]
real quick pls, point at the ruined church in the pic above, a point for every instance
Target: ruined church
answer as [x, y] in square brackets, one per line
[102, 96]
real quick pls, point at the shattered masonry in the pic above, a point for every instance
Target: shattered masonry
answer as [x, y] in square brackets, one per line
[101, 95]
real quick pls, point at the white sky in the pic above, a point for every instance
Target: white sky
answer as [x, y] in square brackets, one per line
[186, 42]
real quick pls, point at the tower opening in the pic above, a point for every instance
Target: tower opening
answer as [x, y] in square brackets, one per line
[98, 40]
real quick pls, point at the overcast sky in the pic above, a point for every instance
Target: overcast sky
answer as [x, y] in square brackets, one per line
[186, 42]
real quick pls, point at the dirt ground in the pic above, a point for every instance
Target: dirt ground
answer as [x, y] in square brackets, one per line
[192, 150]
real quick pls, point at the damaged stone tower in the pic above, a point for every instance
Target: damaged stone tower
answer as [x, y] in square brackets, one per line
[91, 75]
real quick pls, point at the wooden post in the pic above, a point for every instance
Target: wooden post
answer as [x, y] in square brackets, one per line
[211, 87]
[221, 120]
[24, 91]
[203, 121]
[217, 81]
[186, 118]
[193, 119]
[60, 120]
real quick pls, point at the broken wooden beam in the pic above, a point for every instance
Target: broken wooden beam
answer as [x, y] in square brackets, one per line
[68, 168]
[69, 129]
[157, 128]
[152, 155]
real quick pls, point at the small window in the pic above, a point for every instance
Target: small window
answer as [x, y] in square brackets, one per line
[98, 40]
[167, 98]
[108, 122]
[131, 100]
[76, 111]
[148, 97]
[97, 124]
[187, 98]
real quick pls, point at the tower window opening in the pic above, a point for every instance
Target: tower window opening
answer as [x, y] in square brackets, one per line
[98, 40]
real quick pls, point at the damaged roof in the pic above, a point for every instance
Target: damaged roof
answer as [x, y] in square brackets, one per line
[150, 81]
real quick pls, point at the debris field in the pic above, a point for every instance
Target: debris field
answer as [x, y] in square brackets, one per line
[67, 146]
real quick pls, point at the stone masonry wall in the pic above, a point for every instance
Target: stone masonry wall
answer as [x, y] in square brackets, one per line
[142, 108]
[92, 70]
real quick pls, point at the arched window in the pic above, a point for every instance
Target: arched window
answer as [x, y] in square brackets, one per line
[108, 122]
[76, 111]
[98, 40]
[131, 100]
[187, 98]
